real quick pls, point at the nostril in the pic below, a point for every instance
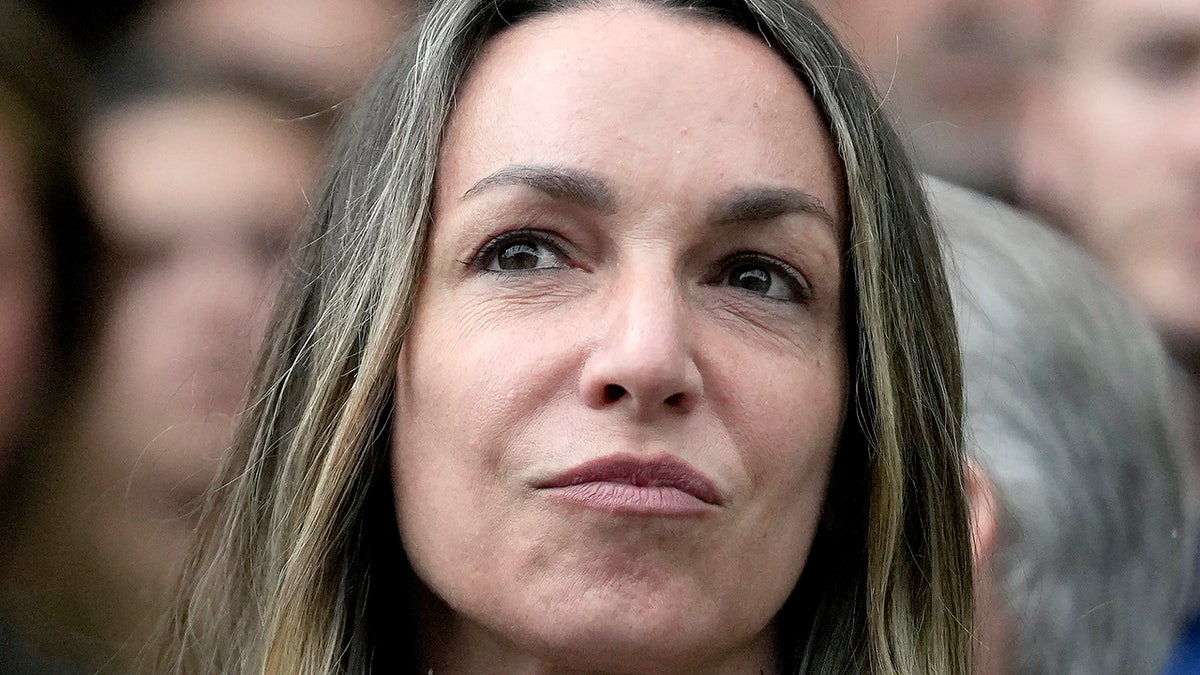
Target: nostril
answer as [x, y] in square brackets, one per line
[675, 400]
[613, 393]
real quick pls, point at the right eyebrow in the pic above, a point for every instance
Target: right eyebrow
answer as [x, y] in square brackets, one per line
[767, 203]
[570, 185]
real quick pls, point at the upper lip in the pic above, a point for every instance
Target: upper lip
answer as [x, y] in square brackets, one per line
[665, 471]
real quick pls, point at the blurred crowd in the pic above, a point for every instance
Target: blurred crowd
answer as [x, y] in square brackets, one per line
[151, 176]
[154, 163]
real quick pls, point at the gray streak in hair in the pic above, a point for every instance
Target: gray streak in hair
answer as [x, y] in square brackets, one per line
[1069, 415]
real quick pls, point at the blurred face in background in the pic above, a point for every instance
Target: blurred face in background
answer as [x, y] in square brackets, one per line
[323, 49]
[24, 284]
[197, 196]
[952, 72]
[1113, 149]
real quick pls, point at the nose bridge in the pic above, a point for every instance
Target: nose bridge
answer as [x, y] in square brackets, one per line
[643, 359]
[1189, 121]
[646, 306]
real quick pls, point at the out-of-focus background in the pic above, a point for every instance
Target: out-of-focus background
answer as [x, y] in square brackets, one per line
[157, 156]
[156, 159]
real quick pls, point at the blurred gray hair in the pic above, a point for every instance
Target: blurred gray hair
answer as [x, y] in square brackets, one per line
[1069, 416]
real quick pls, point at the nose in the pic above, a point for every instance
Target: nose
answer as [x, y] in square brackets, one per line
[643, 363]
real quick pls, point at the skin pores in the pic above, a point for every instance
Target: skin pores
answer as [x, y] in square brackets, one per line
[635, 258]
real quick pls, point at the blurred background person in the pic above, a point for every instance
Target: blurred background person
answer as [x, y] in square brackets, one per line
[1111, 152]
[35, 227]
[319, 50]
[45, 244]
[209, 130]
[952, 73]
[315, 50]
[195, 192]
[1078, 500]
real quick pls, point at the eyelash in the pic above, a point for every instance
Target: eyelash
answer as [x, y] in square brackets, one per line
[481, 261]
[793, 277]
[482, 258]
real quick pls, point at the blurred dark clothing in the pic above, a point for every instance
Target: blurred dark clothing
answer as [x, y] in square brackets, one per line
[17, 659]
[92, 27]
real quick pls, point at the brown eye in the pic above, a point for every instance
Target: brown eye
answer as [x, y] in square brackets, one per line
[521, 252]
[519, 257]
[766, 277]
[751, 278]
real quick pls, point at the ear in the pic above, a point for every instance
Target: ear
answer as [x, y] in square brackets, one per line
[985, 524]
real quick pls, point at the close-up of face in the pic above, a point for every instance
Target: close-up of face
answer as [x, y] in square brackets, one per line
[951, 71]
[197, 195]
[24, 290]
[619, 401]
[1116, 131]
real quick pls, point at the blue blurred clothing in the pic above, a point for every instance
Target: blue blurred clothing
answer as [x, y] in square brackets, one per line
[1185, 657]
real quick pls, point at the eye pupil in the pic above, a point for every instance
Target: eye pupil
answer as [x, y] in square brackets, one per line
[520, 256]
[754, 279]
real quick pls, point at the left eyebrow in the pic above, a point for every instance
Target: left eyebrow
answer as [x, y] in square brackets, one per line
[763, 204]
[569, 185]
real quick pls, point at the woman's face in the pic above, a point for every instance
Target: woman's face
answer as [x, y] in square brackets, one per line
[619, 402]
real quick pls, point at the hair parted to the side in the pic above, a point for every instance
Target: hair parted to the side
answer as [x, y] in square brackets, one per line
[299, 554]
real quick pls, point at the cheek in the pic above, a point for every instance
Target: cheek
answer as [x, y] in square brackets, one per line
[786, 409]
[1111, 129]
[786, 416]
[468, 388]
[472, 382]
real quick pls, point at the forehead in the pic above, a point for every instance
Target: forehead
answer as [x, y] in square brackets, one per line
[630, 91]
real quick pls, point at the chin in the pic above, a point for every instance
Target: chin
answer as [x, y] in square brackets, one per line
[618, 651]
[647, 636]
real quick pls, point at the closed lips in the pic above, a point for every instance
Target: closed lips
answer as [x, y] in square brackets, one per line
[661, 472]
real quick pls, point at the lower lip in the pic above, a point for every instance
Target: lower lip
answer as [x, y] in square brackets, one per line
[658, 501]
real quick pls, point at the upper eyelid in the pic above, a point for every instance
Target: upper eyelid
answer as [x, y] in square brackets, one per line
[488, 248]
[786, 268]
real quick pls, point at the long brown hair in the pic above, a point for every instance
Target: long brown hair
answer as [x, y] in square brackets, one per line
[299, 547]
